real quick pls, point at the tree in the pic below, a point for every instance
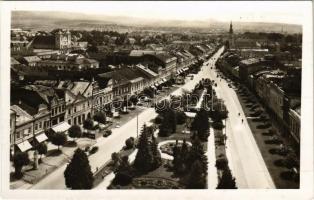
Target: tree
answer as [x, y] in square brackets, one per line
[129, 143]
[197, 153]
[124, 172]
[88, 124]
[75, 131]
[155, 152]
[19, 160]
[227, 181]
[42, 149]
[59, 139]
[144, 158]
[200, 124]
[181, 117]
[180, 157]
[197, 177]
[100, 117]
[78, 174]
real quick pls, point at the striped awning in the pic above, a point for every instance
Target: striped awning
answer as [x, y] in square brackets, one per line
[62, 127]
[41, 137]
[24, 146]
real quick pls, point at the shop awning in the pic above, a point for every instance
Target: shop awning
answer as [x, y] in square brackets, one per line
[185, 69]
[24, 146]
[165, 80]
[41, 137]
[156, 84]
[62, 127]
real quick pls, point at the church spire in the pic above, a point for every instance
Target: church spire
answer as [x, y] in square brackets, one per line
[231, 29]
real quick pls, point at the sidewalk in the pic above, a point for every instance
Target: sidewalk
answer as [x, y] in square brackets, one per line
[51, 162]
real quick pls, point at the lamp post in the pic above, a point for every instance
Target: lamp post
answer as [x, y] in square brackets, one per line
[137, 125]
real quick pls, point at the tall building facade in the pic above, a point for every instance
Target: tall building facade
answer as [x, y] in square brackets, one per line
[63, 40]
[231, 37]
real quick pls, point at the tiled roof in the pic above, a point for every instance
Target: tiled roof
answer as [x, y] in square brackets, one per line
[21, 115]
[147, 70]
[44, 40]
[14, 62]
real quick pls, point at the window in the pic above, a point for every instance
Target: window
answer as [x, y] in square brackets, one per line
[18, 135]
[69, 111]
[36, 127]
[74, 108]
[59, 109]
[40, 125]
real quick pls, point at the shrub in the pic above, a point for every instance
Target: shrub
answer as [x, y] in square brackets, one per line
[75, 131]
[129, 143]
[100, 117]
[88, 124]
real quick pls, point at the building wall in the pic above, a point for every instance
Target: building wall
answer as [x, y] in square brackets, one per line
[276, 97]
[294, 125]
[23, 132]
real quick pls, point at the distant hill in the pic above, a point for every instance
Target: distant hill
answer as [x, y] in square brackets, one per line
[48, 20]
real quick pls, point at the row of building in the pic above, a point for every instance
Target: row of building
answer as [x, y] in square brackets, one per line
[48, 103]
[276, 84]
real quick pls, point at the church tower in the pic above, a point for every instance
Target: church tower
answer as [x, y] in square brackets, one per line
[231, 37]
[63, 39]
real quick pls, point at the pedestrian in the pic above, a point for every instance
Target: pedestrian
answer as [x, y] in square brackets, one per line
[239, 114]
[242, 121]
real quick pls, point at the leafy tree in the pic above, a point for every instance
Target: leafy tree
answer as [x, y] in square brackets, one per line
[88, 124]
[227, 181]
[59, 139]
[181, 117]
[78, 174]
[144, 157]
[75, 131]
[129, 143]
[115, 157]
[200, 124]
[100, 117]
[197, 176]
[19, 160]
[42, 149]
[156, 153]
[124, 172]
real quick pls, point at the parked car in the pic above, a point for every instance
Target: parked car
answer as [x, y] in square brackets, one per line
[107, 133]
[93, 150]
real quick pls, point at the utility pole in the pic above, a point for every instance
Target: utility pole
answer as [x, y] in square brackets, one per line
[137, 125]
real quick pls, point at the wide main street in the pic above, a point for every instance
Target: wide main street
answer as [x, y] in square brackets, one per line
[245, 159]
[115, 142]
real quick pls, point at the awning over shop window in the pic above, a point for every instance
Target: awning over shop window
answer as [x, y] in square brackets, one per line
[41, 137]
[24, 146]
[156, 84]
[62, 127]
[164, 80]
[153, 87]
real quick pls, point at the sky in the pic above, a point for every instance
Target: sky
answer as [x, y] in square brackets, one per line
[246, 11]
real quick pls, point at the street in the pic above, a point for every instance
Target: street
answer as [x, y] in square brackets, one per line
[245, 159]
